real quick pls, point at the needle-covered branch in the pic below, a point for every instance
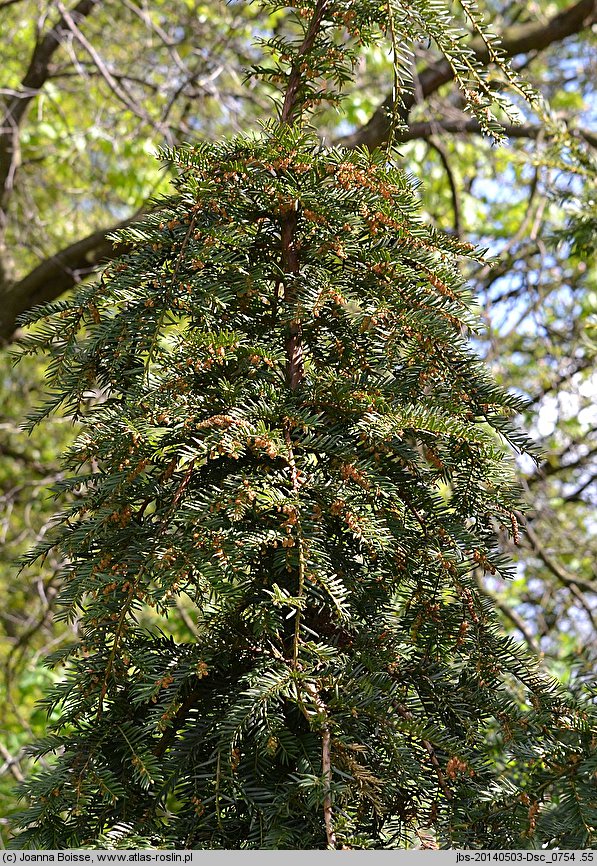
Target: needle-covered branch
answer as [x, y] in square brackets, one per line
[516, 40]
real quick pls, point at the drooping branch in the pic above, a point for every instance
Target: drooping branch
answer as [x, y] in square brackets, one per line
[519, 39]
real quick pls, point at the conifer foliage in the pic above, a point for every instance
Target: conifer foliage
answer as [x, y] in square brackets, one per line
[285, 432]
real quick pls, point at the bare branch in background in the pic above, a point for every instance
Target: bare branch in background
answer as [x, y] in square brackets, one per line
[11, 764]
[510, 614]
[441, 152]
[467, 126]
[566, 579]
[35, 77]
[57, 274]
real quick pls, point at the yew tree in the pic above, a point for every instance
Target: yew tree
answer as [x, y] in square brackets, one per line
[287, 431]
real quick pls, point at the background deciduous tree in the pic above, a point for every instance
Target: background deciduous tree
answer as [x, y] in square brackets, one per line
[89, 90]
